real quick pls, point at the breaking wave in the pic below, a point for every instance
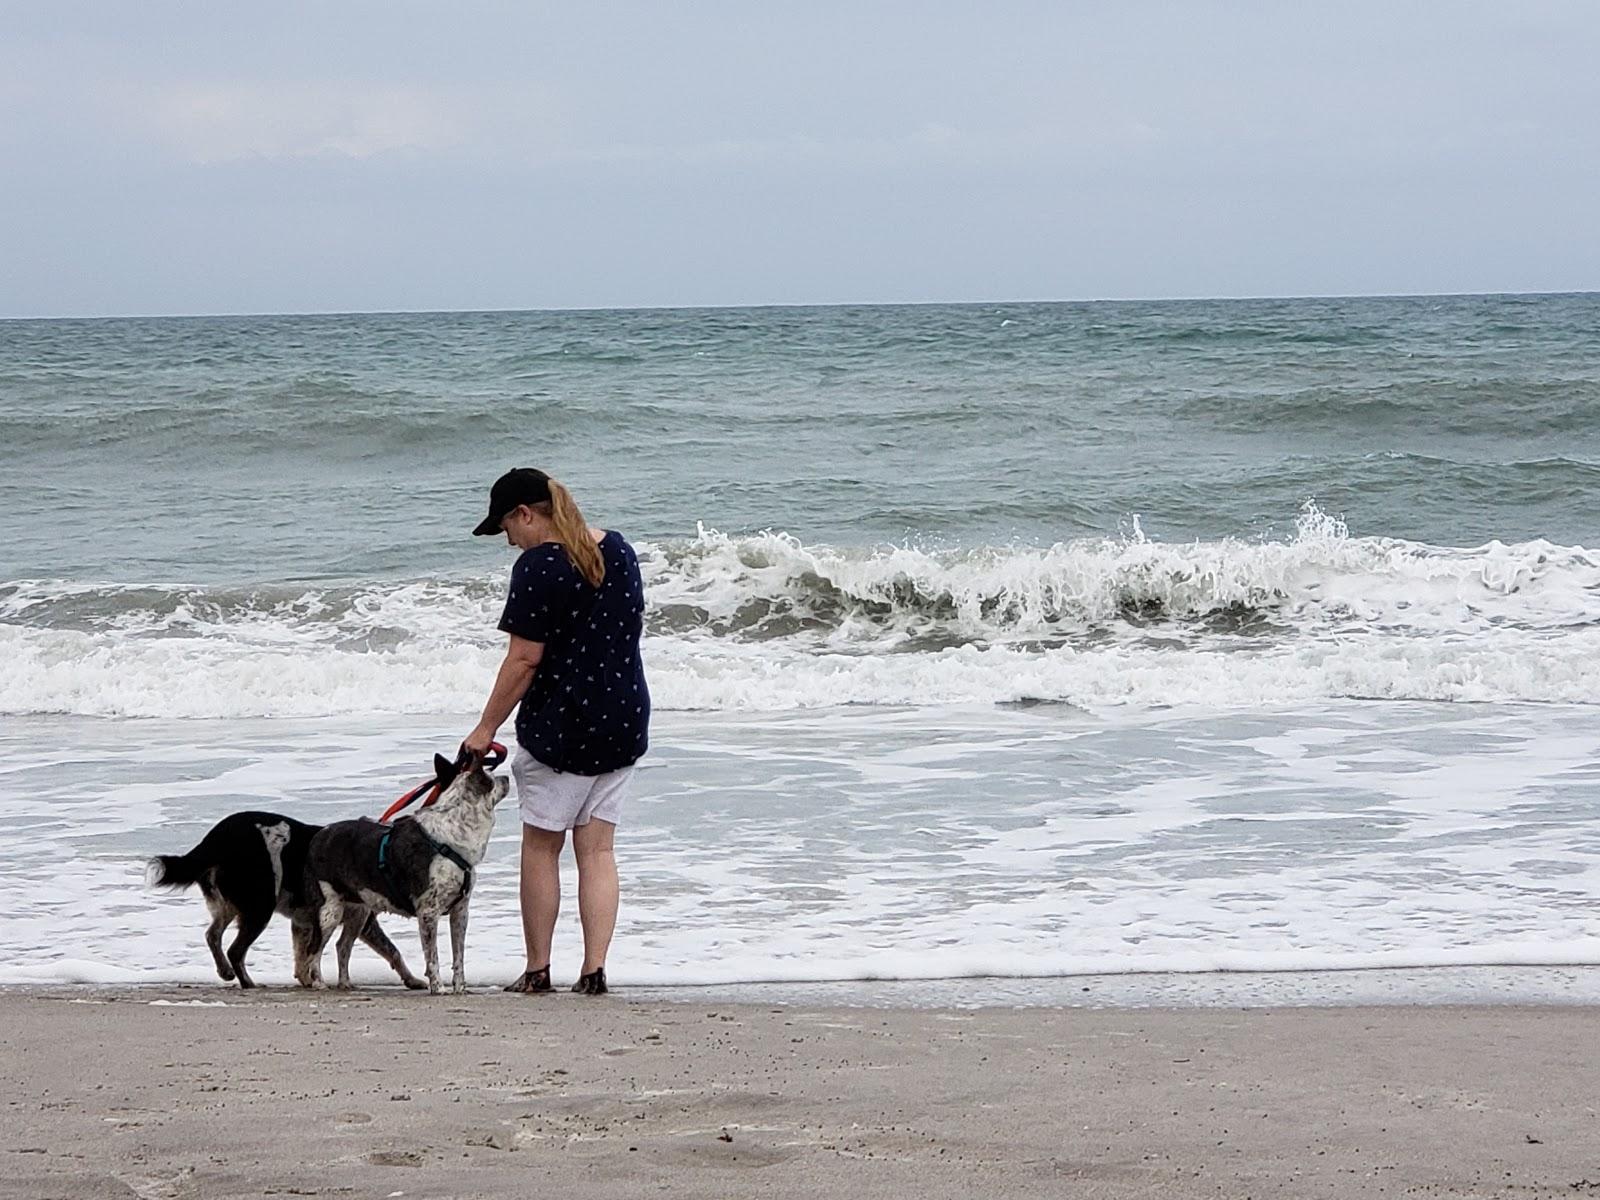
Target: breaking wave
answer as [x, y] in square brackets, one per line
[765, 622]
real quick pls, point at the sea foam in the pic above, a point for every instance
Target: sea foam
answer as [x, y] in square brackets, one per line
[877, 843]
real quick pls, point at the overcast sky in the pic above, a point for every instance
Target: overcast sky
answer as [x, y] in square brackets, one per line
[199, 158]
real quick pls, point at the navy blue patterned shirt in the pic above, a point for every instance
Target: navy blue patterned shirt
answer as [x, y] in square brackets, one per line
[587, 710]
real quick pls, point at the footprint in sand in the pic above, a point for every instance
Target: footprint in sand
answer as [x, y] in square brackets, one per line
[395, 1158]
[168, 1186]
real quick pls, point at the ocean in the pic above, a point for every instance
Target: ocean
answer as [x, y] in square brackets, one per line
[989, 643]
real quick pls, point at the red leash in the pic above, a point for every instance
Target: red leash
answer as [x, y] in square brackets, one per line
[496, 756]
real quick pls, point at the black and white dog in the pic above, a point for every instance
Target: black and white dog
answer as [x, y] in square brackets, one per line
[420, 866]
[250, 865]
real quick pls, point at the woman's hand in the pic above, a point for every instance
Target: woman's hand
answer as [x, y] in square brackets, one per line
[477, 742]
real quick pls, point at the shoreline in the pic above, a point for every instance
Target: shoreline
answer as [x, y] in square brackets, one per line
[1353, 987]
[189, 1092]
[1531, 986]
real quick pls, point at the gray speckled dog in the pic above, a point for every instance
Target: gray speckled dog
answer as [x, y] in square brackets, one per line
[420, 866]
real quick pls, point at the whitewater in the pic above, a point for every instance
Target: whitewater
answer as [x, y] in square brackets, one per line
[892, 843]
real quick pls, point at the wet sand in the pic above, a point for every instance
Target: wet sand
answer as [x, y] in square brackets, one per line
[205, 1092]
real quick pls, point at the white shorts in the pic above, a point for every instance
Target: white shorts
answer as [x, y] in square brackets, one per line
[559, 800]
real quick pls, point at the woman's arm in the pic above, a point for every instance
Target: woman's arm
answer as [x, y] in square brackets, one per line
[510, 685]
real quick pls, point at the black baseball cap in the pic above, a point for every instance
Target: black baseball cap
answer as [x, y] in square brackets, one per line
[520, 485]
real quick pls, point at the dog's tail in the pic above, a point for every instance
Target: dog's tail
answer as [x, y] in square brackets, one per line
[175, 870]
[185, 870]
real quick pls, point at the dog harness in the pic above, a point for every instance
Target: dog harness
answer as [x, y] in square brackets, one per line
[397, 893]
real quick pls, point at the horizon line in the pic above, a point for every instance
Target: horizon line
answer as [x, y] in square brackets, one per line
[624, 308]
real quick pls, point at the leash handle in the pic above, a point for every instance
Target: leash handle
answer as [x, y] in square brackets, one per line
[495, 757]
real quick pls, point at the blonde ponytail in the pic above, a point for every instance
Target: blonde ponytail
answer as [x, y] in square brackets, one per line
[572, 531]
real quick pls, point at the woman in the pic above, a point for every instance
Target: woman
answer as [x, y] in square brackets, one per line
[575, 613]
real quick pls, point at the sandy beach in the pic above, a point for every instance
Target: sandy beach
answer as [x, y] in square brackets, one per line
[203, 1092]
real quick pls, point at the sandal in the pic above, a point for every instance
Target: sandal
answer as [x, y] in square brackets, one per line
[592, 984]
[532, 981]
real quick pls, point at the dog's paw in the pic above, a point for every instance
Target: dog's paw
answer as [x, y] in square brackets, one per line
[415, 984]
[344, 985]
[459, 987]
[224, 973]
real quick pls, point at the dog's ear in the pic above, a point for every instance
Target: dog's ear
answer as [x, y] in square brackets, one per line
[443, 770]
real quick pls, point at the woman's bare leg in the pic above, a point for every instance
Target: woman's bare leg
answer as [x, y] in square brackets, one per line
[597, 889]
[540, 891]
